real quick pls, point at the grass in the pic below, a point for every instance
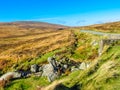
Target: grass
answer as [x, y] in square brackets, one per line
[39, 60]
[24, 48]
[113, 27]
[84, 48]
[101, 75]
[28, 83]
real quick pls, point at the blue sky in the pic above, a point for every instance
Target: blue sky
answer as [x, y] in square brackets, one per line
[66, 12]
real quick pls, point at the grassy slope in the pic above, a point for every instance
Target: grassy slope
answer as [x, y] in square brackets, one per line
[22, 42]
[84, 50]
[113, 27]
[28, 84]
[103, 74]
[75, 56]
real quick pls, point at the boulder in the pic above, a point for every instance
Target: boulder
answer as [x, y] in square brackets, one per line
[83, 66]
[65, 66]
[34, 68]
[88, 64]
[52, 62]
[50, 70]
[17, 75]
[10, 75]
[38, 74]
[47, 69]
[52, 76]
[40, 69]
[73, 68]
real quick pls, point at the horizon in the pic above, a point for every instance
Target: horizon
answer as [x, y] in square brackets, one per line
[72, 13]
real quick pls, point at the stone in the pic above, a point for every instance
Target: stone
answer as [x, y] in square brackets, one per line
[34, 68]
[7, 76]
[52, 62]
[17, 75]
[73, 68]
[88, 64]
[65, 66]
[40, 69]
[10, 75]
[82, 66]
[47, 69]
[52, 76]
[49, 72]
[38, 74]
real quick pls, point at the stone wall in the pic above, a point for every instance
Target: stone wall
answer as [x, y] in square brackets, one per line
[104, 42]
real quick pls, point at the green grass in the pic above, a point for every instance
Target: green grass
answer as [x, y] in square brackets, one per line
[27, 83]
[39, 60]
[103, 74]
[87, 51]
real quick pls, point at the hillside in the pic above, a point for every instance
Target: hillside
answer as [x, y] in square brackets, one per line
[69, 47]
[21, 41]
[113, 27]
[23, 28]
[103, 74]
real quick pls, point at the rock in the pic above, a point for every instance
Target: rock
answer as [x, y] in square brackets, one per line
[73, 68]
[10, 75]
[88, 64]
[34, 68]
[17, 75]
[7, 76]
[49, 72]
[65, 66]
[83, 66]
[53, 63]
[40, 69]
[52, 76]
[47, 69]
[38, 74]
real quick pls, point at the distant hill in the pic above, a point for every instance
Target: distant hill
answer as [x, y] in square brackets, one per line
[32, 24]
[21, 28]
[106, 27]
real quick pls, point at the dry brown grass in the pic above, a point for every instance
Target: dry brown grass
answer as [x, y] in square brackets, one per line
[113, 27]
[18, 44]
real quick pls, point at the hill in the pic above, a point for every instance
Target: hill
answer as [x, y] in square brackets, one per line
[22, 28]
[113, 27]
[28, 48]
[103, 74]
[22, 41]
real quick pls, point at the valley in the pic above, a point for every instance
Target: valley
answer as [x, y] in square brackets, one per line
[34, 44]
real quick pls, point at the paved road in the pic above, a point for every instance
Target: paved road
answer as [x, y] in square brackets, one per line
[110, 35]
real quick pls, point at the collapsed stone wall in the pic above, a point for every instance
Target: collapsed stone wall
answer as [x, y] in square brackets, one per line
[104, 42]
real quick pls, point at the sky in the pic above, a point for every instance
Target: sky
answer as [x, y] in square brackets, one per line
[65, 12]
